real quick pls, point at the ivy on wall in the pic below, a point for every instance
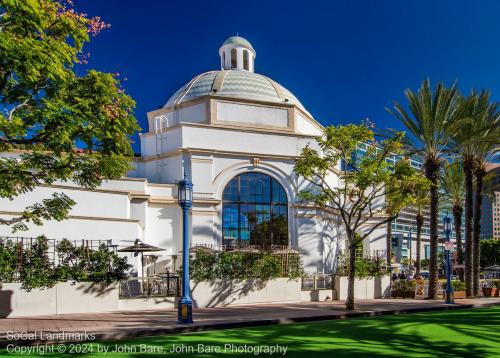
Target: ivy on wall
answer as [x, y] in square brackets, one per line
[32, 267]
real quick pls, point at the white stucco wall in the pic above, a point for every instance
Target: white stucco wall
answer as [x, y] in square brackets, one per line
[238, 141]
[117, 204]
[305, 126]
[252, 114]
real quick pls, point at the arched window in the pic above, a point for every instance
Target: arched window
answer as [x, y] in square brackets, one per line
[245, 59]
[254, 211]
[233, 58]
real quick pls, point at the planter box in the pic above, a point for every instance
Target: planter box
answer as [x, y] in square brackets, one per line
[403, 294]
[63, 298]
[458, 294]
[219, 293]
[365, 288]
[318, 295]
[489, 291]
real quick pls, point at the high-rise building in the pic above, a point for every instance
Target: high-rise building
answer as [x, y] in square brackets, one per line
[490, 209]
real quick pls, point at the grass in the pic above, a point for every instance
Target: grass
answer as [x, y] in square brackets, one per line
[457, 333]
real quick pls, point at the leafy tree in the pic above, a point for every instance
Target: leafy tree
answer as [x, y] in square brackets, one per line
[427, 119]
[490, 252]
[453, 186]
[363, 183]
[56, 125]
[388, 236]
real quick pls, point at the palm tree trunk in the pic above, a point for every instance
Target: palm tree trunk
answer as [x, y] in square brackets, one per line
[432, 174]
[388, 243]
[457, 218]
[420, 223]
[468, 166]
[479, 174]
[349, 303]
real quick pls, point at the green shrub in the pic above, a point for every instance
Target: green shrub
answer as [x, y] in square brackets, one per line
[364, 267]
[235, 265]
[496, 283]
[10, 254]
[32, 267]
[404, 285]
[456, 284]
[424, 264]
[295, 267]
[36, 270]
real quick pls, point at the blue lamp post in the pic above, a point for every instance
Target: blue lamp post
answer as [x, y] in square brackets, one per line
[448, 246]
[185, 199]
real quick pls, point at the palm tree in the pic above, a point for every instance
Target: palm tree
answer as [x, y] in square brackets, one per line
[421, 203]
[468, 132]
[430, 114]
[453, 186]
[486, 145]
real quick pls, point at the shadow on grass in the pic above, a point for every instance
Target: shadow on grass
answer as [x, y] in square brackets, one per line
[461, 333]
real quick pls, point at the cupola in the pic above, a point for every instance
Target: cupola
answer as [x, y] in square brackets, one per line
[236, 53]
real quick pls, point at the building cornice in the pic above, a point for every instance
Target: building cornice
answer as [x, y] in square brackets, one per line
[79, 217]
[270, 130]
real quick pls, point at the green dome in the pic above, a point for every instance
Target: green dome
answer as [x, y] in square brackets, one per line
[235, 84]
[237, 40]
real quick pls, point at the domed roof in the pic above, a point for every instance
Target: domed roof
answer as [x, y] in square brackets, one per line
[237, 40]
[235, 84]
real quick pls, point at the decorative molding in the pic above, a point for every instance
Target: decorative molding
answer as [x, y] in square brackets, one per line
[79, 217]
[202, 160]
[68, 187]
[239, 154]
[179, 151]
[204, 212]
[283, 131]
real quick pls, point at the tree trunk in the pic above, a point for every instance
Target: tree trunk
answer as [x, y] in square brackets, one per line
[479, 173]
[420, 223]
[349, 303]
[432, 174]
[388, 244]
[457, 218]
[468, 166]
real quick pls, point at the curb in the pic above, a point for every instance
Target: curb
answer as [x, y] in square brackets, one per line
[131, 334]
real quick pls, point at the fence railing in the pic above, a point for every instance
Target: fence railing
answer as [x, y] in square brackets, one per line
[318, 282]
[157, 286]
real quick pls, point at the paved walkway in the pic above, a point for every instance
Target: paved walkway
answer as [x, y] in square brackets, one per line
[120, 325]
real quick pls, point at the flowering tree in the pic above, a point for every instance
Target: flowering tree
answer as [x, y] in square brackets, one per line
[370, 187]
[56, 125]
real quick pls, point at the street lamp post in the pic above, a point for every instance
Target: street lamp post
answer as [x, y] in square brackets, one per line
[448, 246]
[185, 199]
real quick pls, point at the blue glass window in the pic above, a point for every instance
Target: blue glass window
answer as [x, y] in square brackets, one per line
[254, 211]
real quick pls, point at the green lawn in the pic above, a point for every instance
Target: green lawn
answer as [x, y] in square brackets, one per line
[459, 333]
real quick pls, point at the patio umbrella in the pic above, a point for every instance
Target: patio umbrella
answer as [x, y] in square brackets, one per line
[140, 247]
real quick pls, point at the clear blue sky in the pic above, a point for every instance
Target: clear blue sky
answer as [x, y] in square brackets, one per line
[344, 60]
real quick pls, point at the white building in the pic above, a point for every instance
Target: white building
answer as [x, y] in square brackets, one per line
[236, 135]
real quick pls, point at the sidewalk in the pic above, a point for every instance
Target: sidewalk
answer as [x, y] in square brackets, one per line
[125, 325]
